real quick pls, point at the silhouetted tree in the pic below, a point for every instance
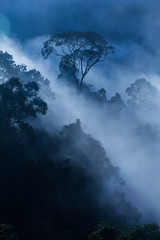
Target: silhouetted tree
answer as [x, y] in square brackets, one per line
[79, 52]
[19, 103]
[7, 66]
[9, 69]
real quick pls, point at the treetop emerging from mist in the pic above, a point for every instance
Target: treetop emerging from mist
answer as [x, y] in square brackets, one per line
[79, 52]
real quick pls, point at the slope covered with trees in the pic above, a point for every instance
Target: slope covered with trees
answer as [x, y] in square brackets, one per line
[61, 184]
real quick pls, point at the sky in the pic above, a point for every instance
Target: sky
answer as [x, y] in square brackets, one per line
[120, 21]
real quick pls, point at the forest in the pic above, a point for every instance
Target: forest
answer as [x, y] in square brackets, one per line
[57, 177]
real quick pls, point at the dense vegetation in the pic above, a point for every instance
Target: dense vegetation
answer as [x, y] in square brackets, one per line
[110, 231]
[61, 184]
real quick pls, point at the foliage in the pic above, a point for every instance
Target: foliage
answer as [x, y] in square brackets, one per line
[60, 185]
[110, 231]
[19, 104]
[144, 232]
[67, 178]
[142, 96]
[9, 69]
[106, 231]
[18, 101]
[7, 232]
[79, 52]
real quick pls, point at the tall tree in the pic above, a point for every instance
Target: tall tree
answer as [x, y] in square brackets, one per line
[78, 52]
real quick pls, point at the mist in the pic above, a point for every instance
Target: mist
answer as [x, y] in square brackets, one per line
[136, 155]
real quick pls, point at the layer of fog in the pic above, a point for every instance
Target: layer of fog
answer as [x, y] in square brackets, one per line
[138, 159]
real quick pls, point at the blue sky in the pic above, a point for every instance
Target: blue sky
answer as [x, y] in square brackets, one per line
[118, 20]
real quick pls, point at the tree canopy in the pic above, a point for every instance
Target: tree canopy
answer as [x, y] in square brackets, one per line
[19, 103]
[79, 52]
[110, 231]
[142, 95]
[9, 69]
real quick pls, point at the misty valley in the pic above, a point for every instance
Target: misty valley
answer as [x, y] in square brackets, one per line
[75, 162]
